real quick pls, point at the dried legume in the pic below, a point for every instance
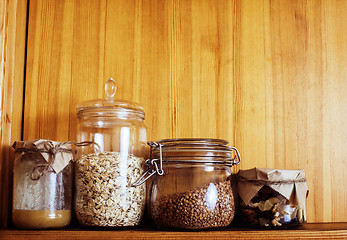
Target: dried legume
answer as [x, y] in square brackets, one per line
[206, 207]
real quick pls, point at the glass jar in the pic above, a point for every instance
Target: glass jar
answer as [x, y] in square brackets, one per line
[42, 185]
[271, 198]
[191, 188]
[106, 169]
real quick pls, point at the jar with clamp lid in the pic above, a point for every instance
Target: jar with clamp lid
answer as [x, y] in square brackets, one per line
[107, 168]
[191, 185]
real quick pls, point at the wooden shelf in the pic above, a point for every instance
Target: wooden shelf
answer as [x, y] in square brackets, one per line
[309, 231]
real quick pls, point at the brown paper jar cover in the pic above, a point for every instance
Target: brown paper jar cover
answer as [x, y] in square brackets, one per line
[42, 184]
[58, 155]
[289, 185]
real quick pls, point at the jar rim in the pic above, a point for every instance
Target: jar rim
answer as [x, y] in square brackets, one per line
[109, 111]
[207, 150]
[188, 144]
[197, 140]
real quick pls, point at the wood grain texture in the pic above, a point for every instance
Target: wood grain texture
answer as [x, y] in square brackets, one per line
[310, 231]
[269, 76]
[12, 56]
[4, 163]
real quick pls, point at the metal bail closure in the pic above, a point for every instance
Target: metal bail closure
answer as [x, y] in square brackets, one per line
[237, 159]
[155, 169]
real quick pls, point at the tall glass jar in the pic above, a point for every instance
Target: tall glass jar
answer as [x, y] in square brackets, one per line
[107, 168]
[191, 188]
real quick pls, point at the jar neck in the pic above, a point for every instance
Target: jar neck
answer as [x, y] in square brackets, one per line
[111, 113]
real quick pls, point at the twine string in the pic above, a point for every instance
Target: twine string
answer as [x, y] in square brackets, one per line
[48, 147]
[269, 183]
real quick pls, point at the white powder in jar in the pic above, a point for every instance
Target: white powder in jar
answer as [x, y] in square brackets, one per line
[49, 191]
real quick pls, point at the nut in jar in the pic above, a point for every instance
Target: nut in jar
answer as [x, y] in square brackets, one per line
[271, 198]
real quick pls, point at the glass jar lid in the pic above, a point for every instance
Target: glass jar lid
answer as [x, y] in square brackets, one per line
[188, 151]
[196, 150]
[109, 106]
[183, 144]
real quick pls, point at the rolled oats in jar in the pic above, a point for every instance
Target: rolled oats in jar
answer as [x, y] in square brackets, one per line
[271, 198]
[106, 170]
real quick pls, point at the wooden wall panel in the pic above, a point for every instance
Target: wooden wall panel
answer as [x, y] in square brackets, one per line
[334, 109]
[269, 76]
[12, 56]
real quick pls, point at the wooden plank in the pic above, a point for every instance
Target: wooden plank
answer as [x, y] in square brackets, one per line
[334, 91]
[266, 75]
[137, 55]
[251, 88]
[12, 52]
[49, 69]
[4, 163]
[310, 231]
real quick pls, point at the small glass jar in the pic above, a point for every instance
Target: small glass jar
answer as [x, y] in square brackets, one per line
[42, 195]
[106, 169]
[192, 185]
[271, 198]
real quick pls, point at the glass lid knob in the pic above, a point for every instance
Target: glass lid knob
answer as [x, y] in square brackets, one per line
[110, 88]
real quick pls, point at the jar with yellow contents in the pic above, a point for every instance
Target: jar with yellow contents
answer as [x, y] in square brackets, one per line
[42, 184]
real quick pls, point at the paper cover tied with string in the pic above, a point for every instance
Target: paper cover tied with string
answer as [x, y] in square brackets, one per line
[42, 184]
[272, 197]
[47, 154]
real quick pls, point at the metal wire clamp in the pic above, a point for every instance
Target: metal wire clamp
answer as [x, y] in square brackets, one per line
[152, 165]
